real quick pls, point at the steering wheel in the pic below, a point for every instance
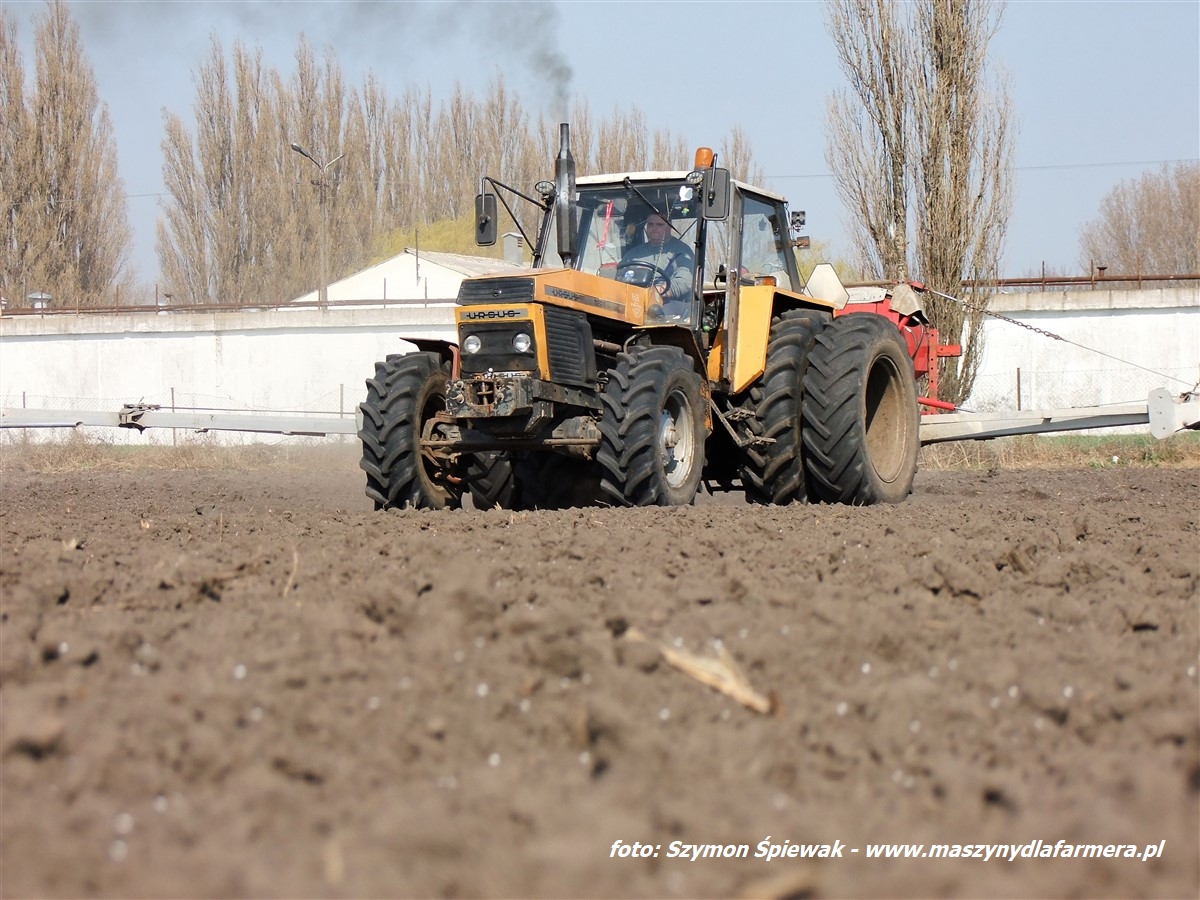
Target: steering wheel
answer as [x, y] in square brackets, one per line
[640, 273]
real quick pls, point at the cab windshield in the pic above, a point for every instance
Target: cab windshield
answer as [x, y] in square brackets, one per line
[645, 236]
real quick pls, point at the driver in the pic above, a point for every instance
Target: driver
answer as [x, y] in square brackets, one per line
[663, 262]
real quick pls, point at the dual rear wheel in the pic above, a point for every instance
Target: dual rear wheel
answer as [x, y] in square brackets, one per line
[837, 409]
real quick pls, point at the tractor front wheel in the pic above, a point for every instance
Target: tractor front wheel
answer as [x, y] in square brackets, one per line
[403, 399]
[653, 432]
[861, 420]
[400, 414]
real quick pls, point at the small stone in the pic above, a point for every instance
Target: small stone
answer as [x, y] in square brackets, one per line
[39, 737]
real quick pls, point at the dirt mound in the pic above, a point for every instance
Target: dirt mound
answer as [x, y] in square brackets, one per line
[249, 684]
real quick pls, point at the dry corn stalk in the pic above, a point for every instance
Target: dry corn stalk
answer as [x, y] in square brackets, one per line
[721, 673]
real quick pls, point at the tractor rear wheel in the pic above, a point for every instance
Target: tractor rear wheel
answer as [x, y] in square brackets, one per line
[652, 433]
[775, 472]
[860, 413]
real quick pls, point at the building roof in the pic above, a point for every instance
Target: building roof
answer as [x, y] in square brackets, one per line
[468, 266]
[426, 275]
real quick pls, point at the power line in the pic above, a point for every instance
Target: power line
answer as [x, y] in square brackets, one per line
[1047, 168]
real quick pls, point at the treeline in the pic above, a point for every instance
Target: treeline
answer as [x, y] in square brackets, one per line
[245, 217]
[66, 234]
[246, 213]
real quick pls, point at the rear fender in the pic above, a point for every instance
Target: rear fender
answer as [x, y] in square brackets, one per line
[758, 306]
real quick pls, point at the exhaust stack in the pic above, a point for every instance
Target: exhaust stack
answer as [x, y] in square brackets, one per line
[564, 183]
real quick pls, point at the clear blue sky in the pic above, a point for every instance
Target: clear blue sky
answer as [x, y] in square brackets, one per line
[1103, 90]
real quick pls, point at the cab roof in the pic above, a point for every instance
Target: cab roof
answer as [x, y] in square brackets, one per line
[615, 178]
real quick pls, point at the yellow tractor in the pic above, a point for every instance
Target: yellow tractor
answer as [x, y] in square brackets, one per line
[662, 342]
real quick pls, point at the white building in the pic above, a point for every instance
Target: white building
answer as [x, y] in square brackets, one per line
[418, 275]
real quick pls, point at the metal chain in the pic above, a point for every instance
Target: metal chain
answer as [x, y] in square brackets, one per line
[1050, 334]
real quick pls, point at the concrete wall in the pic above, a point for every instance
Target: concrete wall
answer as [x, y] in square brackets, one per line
[307, 360]
[315, 360]
[1116, 347]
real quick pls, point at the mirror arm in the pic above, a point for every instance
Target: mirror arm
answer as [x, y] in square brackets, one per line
[499, 185]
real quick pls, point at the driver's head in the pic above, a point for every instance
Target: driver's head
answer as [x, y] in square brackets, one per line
[658, 229]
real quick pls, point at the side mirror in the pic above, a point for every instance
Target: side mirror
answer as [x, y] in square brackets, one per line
[714, 197]
[485, 220]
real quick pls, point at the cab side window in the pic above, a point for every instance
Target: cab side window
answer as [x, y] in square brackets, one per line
[764, 241]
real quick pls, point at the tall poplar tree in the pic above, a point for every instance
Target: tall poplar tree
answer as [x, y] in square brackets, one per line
[65, 231]
[920, 145]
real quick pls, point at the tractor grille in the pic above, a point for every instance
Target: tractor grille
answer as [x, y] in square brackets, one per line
[496, 352]
[569, 347]
[495, 290]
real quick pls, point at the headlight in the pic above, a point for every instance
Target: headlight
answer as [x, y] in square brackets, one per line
[471, 344]
[522, 342]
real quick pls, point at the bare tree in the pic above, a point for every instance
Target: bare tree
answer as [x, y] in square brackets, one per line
[962, 170]
[922, 144]
[249, 220]
[66, 227]
[16, 162]
[1148, 225]
[867, 130]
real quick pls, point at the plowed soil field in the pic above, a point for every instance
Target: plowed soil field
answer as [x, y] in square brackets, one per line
[248, 684]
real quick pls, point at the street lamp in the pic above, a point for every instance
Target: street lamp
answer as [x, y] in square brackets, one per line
[323, 293]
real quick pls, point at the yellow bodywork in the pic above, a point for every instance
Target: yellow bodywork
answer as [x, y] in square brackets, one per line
[742, 359]
[593, 294]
